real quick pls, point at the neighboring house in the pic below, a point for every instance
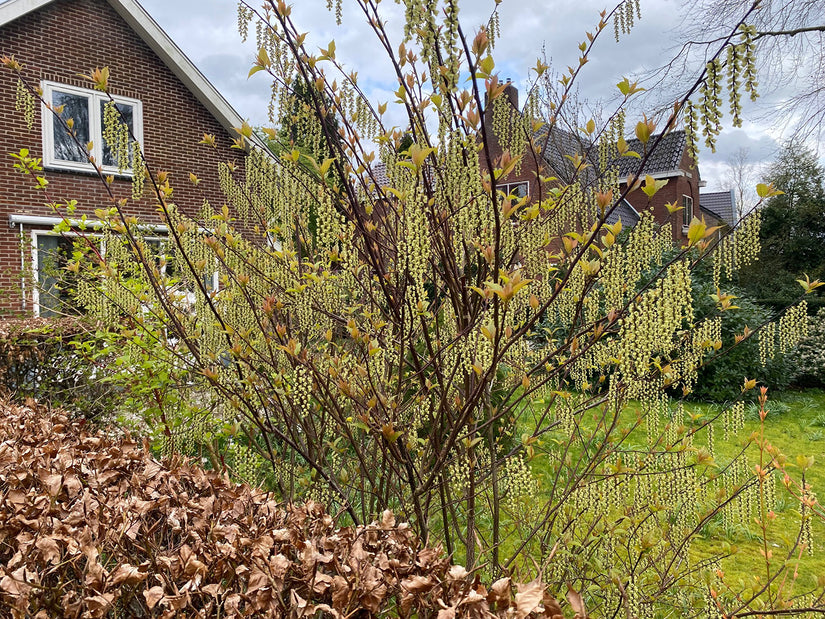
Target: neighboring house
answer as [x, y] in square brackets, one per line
[170, 104]
[524, 180]
[719, 207]
[670, 161]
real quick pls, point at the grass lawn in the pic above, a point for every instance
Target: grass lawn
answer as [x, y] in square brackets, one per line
[796, 426]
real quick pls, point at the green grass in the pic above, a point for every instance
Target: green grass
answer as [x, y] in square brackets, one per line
[795, 424]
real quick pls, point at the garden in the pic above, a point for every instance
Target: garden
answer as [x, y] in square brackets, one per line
[379, 380]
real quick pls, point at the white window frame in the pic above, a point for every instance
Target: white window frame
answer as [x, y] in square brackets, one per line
[508, 187]
[35, 272]
[687, 214]
[95, 128]
[187, 297]
[214, 277]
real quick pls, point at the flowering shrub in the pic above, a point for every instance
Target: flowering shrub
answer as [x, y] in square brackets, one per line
[810, 369]
[371, 343]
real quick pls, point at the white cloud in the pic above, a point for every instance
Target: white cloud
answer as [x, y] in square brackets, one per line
[207, 33]
[206, 30]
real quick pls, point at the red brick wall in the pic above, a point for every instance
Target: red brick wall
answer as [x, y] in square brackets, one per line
[75, 36]
[671, 193]
[530, 163]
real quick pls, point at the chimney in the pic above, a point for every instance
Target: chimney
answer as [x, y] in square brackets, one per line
[511, 92]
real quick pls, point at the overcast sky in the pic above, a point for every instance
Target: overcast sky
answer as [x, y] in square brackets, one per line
[206, 30]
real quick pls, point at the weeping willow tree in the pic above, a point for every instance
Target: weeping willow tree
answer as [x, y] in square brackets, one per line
[463, 357]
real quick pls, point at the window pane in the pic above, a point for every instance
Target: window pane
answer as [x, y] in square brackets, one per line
[53, 253]
[75, 107]
[127, 115]
[175, 268]
[519, 190]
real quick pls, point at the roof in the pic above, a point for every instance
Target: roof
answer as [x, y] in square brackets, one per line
[557, 145]
[666, 158]
[624, 211]
[154, 36]
[720, 204]
[380, 175]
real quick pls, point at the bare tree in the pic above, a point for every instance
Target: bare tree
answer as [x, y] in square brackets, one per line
[789, 37]
[741, 177]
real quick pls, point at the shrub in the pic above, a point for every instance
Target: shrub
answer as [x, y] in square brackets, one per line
[49, 359]
[810, 355]
[721, 379]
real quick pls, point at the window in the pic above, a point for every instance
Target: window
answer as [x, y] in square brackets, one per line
[54, 284]
[166, 257]
[85, 109]
[517, 190]
[687, 210]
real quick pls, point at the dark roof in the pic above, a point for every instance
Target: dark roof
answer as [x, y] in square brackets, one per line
[666, 158]
[379, 173]
[557, 145]
[625, 212]
[720, 204]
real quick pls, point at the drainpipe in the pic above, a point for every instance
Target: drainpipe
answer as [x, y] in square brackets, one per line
[22, 268]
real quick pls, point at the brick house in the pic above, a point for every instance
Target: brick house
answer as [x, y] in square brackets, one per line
[169, 103]
[670, 161]
[719, 207]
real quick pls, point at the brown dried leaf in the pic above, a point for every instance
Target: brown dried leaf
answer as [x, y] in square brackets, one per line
[153, 596]
[49, 549]
[126, 574]
[13, 586]
[257, 580]
[341, 593]
[53, 484]
[576, 602]
[387, 520]
[372, 589]
[458, 572]
[418, 584]
[99, 605]
[528, 598]
[500, 593]
[232, 605]
[73, 486]
[213, 589]
[325, 609]
[447, 613]
[298, 604]
[552, 609]
[321, 583]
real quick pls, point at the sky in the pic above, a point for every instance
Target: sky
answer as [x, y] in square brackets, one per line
[206, 30]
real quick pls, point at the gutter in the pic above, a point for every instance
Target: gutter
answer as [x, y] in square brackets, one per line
[42, 221]
[660, 175]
